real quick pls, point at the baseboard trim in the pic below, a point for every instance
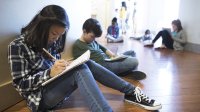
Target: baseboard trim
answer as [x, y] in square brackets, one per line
[192, 47]
[8, 95]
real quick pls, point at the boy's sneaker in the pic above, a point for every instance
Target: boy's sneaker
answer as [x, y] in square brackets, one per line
[136, 75]
[139, 99]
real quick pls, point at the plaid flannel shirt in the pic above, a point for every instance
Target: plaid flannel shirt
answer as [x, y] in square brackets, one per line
[29, 70]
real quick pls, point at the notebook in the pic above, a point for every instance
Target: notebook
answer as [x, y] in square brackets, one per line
[116, 58]
[80, 60]
[147, 43]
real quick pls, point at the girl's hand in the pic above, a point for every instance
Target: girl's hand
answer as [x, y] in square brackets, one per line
[58, 67]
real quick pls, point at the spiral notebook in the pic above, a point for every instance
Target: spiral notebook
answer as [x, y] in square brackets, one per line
[80, 60]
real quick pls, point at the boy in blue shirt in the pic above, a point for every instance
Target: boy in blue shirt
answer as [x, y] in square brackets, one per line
[113, 32]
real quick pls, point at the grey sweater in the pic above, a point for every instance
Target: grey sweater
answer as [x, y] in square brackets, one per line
[179, 40]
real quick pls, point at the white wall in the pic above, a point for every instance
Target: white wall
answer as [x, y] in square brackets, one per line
[101, 9]
[19, 13]
[190, 18]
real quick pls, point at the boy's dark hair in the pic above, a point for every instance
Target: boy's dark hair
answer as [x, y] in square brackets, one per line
[178, 24]
[114, 20]
[92, 25]
[36, 33]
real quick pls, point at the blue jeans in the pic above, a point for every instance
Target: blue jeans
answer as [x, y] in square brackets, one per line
[83, 78]
[123, 66]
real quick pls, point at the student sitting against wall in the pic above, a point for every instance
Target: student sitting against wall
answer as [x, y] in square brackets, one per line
[91, 30]
[113, 32]
[172, 40]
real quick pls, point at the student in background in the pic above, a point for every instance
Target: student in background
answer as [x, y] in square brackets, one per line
[91, 30]
[172, 40]
[147, 35]
[123, 17]
[113, 32]
[31, 67]
[146, 39]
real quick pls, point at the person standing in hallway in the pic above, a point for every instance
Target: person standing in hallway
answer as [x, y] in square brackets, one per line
[123, 17]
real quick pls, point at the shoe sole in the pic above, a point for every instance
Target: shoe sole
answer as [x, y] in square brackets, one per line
[143, 106]
[148, 45]
[160, 48]
[137, 75]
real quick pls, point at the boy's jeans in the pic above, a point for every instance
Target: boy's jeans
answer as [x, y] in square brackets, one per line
[122, 66]
[83, 78]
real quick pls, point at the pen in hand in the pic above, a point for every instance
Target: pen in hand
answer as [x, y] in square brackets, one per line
[53, 58]
[58, 66]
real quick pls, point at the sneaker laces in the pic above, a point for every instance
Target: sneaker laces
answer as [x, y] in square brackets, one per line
[140, 96]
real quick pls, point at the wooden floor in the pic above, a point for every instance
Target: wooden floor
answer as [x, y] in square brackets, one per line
[173, 79]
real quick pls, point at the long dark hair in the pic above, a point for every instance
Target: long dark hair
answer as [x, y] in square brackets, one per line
[36, 33]
[178, 24]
